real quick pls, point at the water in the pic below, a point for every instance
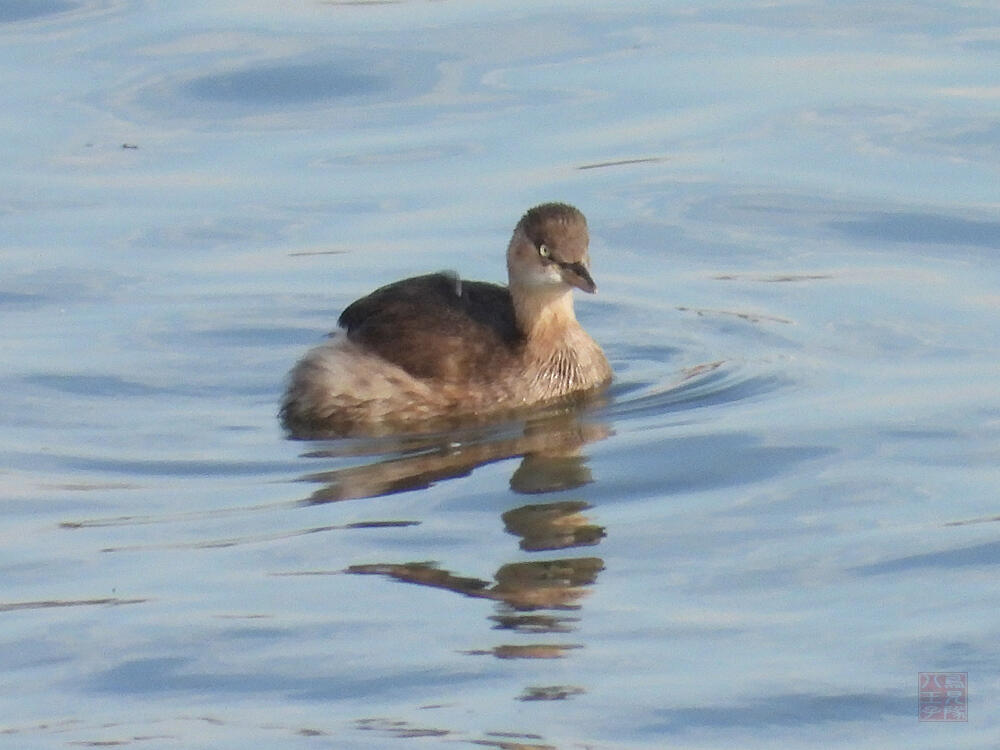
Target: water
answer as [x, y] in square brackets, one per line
[784, 511]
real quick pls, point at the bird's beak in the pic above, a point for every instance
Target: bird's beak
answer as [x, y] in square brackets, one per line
[576, 274]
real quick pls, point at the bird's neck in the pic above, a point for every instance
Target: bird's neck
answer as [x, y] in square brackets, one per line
[544, 313]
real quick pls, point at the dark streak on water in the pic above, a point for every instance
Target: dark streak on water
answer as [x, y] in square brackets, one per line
[277, 85]
[12, 11]
[935, 229]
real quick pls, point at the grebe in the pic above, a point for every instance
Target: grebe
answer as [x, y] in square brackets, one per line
[437, 347]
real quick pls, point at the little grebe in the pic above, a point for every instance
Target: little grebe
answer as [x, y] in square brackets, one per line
[437, 347]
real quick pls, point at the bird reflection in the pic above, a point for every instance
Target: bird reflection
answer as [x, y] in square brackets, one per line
[552, 526]
[548, 446]
[518, 587]
[532, 598]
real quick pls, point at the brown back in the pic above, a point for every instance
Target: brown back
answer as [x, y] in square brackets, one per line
[437, 326]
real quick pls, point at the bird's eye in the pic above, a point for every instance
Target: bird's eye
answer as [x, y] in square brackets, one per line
[543, 250]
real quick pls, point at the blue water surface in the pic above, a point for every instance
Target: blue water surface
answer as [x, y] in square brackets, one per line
[784, 510]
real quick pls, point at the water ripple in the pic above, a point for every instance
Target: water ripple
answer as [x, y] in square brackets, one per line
[710, 384]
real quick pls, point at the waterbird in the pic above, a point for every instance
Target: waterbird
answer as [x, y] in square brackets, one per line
[438, 347]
